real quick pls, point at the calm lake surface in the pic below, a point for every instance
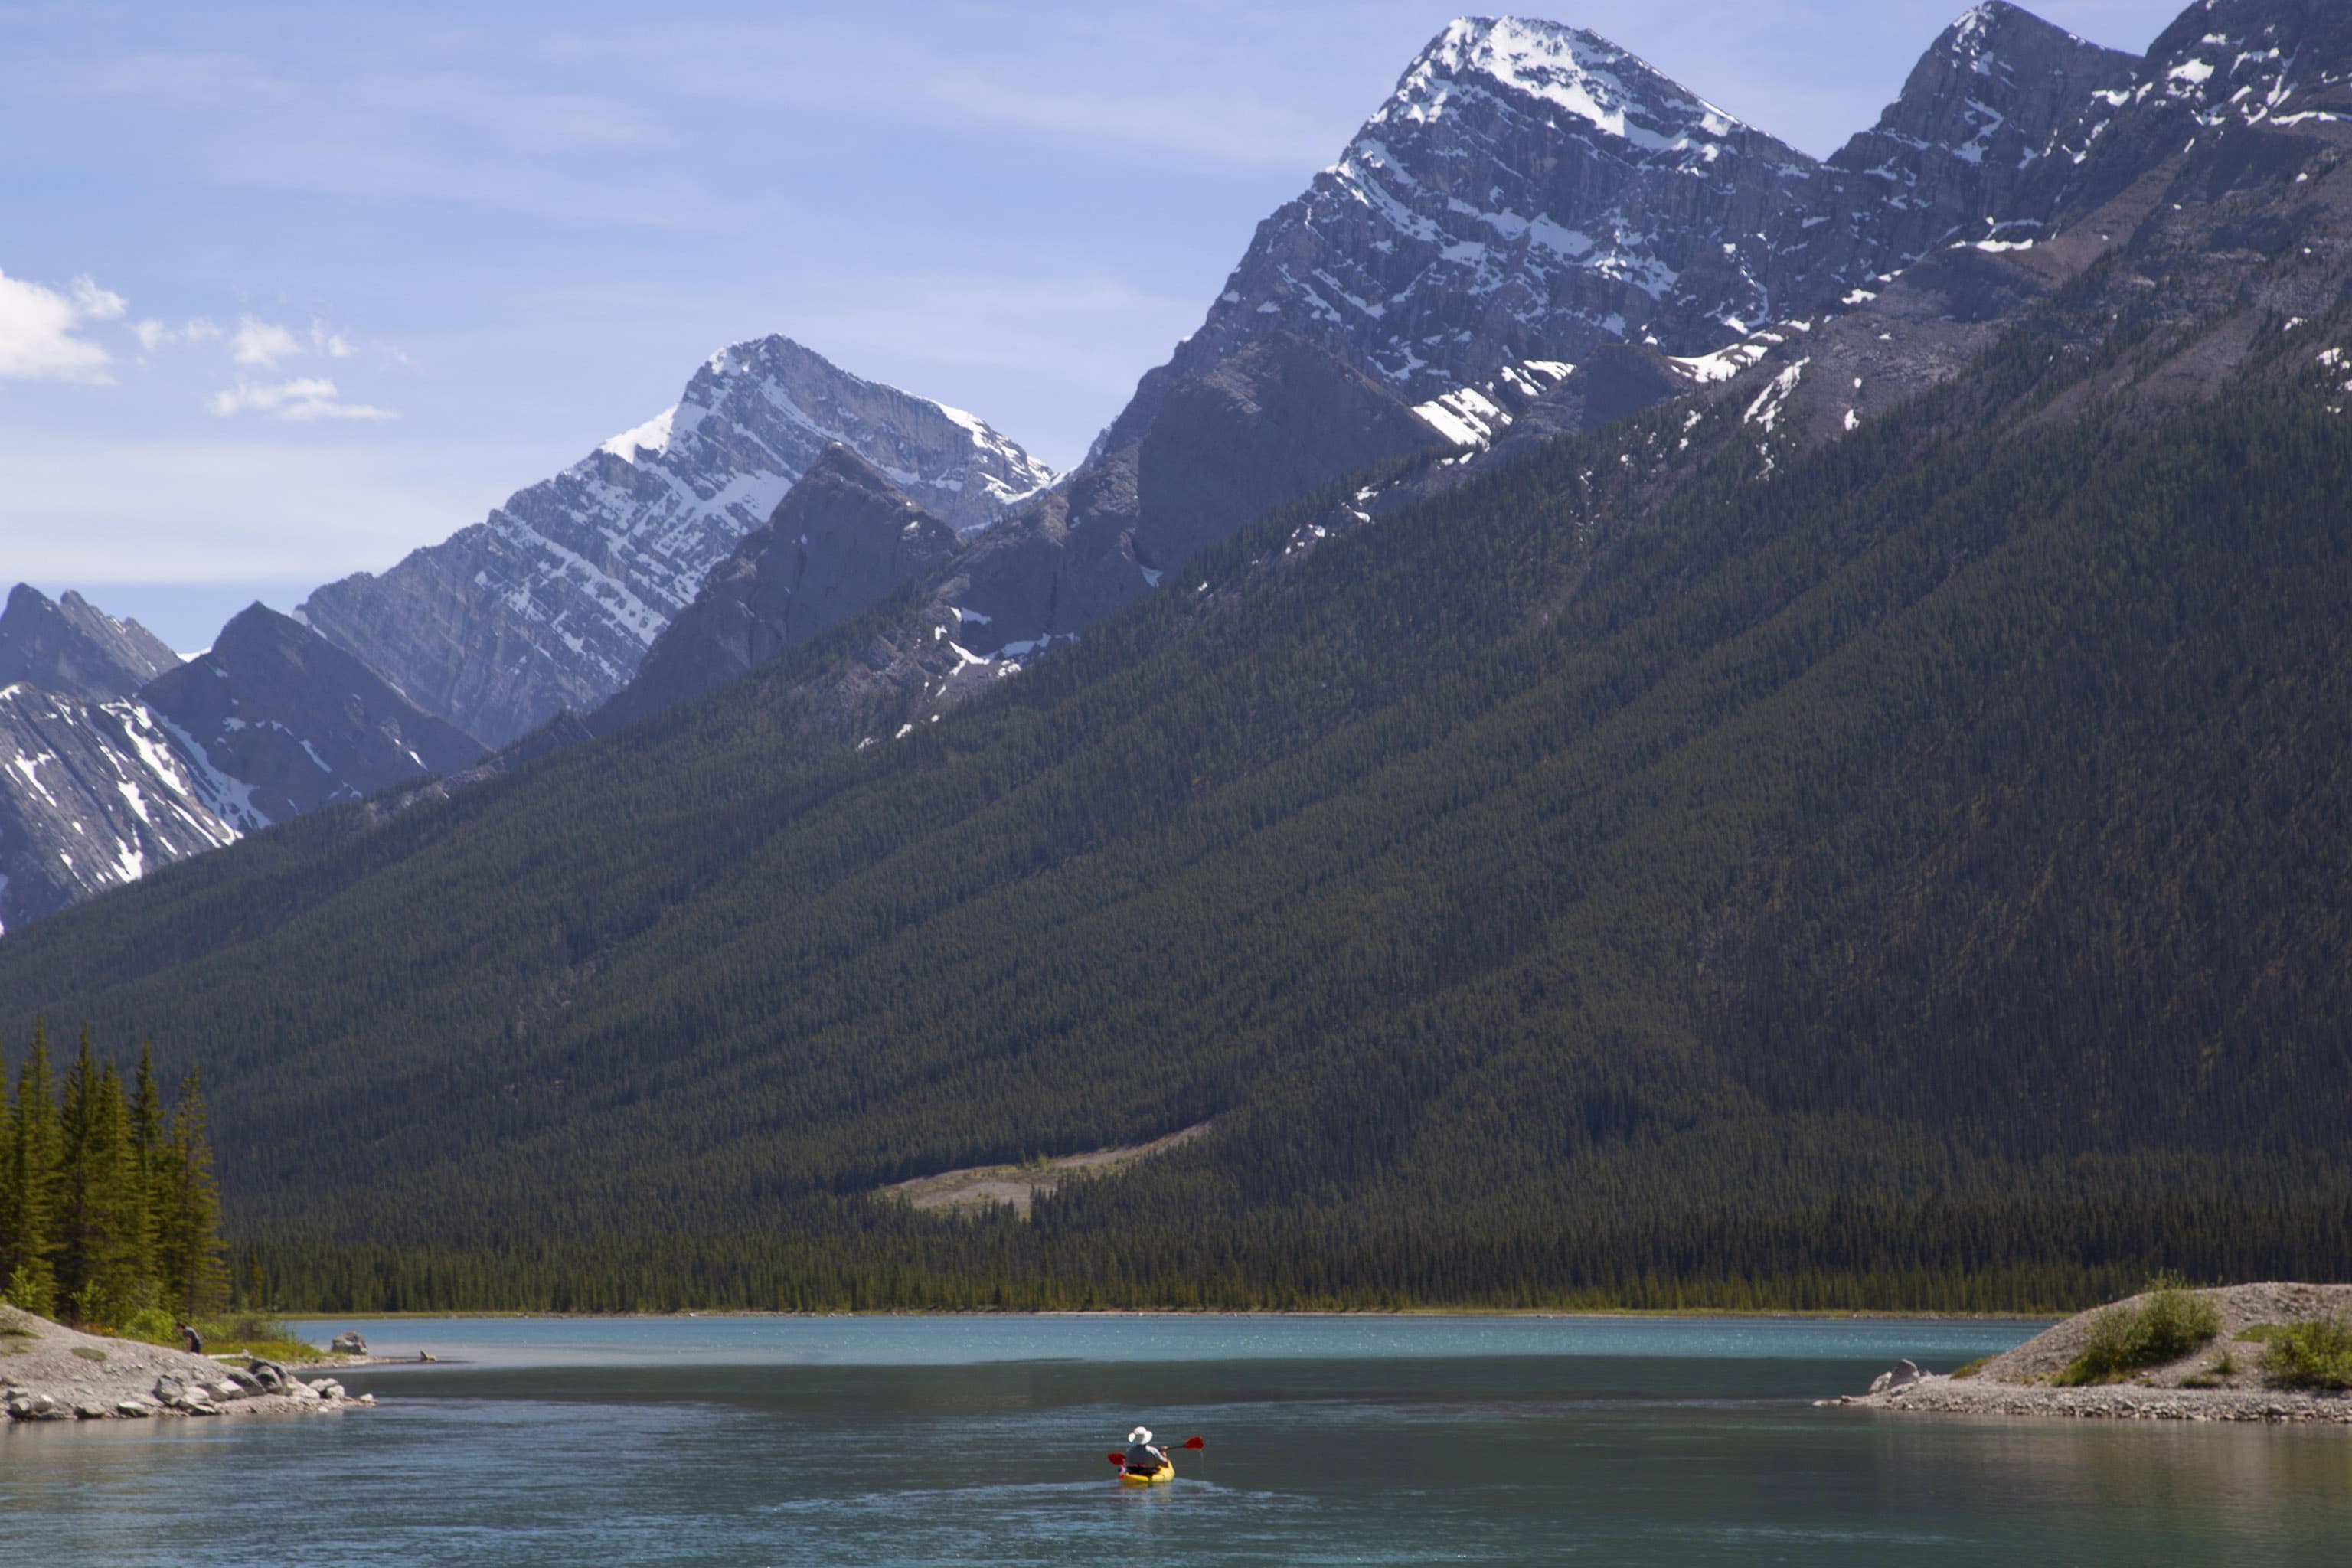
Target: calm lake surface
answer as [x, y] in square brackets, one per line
[1367, 1440]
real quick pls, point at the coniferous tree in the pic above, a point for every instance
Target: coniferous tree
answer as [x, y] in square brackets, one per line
[32, 1159]
[188, 1247]
[147, 1135]
[97, 1269]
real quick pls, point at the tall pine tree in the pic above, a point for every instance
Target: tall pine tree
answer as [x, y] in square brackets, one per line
[188, 1253]
[30, 1279]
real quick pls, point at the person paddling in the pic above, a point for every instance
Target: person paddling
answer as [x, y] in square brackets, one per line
[1142, 1458]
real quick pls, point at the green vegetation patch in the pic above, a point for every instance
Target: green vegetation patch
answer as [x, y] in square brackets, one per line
[89, 1352]
[2170, 1324]
[2260, 1333]
[1970, 1369]
[2311, 1356]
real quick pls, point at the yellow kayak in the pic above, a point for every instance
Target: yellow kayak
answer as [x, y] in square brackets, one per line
[1164, 1474]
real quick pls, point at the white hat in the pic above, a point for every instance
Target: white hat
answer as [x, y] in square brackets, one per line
[1141, 1435]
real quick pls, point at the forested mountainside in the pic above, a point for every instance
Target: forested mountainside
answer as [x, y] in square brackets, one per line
[1801, 888]
[1870, 831]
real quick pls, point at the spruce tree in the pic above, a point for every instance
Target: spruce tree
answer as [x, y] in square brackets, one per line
[96, 1254]
[32, 1161]
[188, 1245]
[146, 1136]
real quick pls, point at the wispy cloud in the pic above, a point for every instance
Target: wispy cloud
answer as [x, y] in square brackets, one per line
[406, 124]
[223, 509]
[303, 399]
[40, 330]
[262, 342]
[153, 334]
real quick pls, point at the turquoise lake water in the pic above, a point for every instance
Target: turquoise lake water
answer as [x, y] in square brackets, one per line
[972, 1440]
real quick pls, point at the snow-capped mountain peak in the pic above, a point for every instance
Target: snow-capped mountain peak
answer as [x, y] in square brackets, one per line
[556, 596]
[1578, 72]
[650, 438]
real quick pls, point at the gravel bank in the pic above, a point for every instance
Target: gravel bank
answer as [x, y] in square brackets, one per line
[2227, 1370]
[51, 1372]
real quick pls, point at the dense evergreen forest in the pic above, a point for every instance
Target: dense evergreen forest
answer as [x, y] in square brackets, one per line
[1916, 877]
[109, 1214]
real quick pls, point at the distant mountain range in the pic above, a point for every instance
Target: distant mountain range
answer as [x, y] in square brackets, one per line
[1535, 233]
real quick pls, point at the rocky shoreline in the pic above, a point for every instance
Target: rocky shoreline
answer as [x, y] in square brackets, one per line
[2119, 1401]
[51, 1372]
[2220, 1378]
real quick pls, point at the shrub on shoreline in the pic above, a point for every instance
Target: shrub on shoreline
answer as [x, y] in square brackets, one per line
[2316, 1354]
[2169, 1324]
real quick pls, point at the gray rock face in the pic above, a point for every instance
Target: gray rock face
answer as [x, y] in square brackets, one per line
[270, 723]
[71, 647]
[1532, 191]
[1274, 421]
[842, 539]
[1972, 122]
[284, 723]
[92, 795]
[2223, 66]
[553, 601]
[1527, 191]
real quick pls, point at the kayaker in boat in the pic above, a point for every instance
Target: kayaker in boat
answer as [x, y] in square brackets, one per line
[1142, 1458]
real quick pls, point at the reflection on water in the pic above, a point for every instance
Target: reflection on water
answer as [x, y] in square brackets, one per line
[973, 1440]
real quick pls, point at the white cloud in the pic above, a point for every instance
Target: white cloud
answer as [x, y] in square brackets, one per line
[39, 330]
[153, 334]
[262, 342]
[302, 399]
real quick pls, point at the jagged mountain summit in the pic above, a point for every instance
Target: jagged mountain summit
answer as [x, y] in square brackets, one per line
[1531, 191]
[843, 538]
[1952, 154]
[70, 647]
[552, 601]
[269, 722]
[277, 721]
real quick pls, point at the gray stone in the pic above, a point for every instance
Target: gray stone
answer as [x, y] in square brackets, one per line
[349, 1343]
[89, 1410]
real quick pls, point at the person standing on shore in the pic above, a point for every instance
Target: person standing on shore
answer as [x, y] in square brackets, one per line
[196, 1340]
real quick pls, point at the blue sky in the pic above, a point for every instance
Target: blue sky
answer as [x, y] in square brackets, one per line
[288, 290]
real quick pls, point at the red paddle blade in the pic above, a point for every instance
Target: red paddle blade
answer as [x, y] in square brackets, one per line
[1194, 1443]
[1116, 1458]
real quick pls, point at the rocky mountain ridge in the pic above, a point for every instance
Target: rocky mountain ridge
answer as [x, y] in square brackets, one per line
[554, 600]
[1532, 191]
[69, 648]
[269, 722]
[842, 537]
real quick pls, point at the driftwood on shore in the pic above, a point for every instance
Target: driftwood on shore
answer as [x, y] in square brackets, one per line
[2222, 1378]
[51, 1372]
